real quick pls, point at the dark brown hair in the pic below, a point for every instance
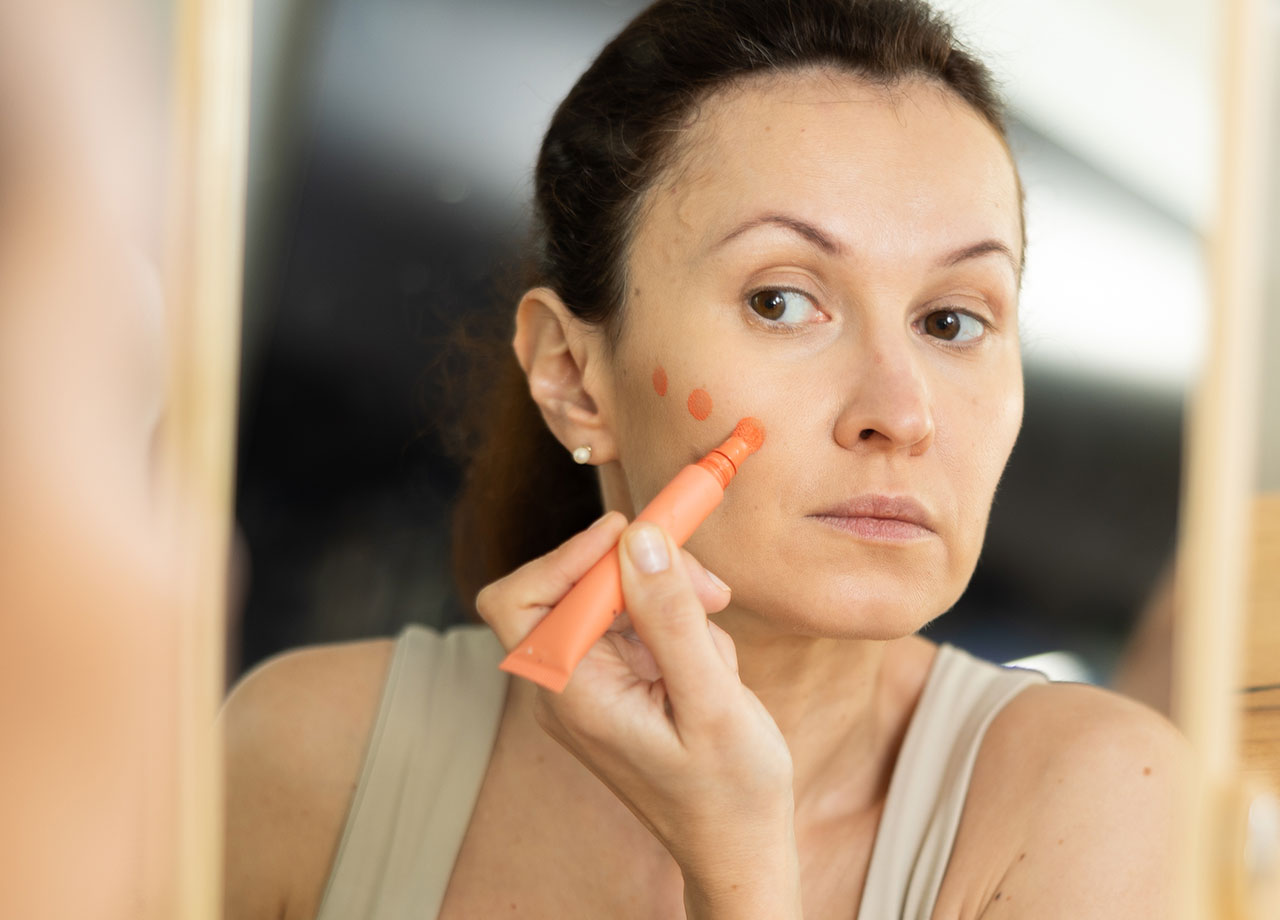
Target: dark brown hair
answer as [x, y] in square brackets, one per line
[607, 143]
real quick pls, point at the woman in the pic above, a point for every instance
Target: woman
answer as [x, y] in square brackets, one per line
[804, 212]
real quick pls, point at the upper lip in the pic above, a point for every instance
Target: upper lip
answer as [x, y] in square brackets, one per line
[885, 507]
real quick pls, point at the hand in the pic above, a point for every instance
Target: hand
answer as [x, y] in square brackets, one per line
[656, 709]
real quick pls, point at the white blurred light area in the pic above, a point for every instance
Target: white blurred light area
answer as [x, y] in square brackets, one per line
[1119, 99]
[1113, 288]
[1057, 666]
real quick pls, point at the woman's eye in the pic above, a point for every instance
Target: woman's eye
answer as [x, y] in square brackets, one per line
[954, 326]
[785, 307]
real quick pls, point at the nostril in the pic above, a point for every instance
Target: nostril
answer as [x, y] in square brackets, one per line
[866, 433]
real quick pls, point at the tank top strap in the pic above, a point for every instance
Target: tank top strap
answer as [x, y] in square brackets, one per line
[425, 762]
[927, 791]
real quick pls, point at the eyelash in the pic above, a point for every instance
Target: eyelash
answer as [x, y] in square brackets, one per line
[774, 326]
[779, 328]
[963, 346]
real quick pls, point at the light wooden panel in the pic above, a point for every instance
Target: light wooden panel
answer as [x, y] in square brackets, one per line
[1215, 534]
[1260, 696]
[211, 119]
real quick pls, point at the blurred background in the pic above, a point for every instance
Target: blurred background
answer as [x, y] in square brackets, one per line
[392, 143]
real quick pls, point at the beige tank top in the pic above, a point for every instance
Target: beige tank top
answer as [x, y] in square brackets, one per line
[435, 730]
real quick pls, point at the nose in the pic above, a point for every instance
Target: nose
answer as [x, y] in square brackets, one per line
[887, 403]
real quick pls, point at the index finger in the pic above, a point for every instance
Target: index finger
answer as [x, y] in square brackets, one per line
[514, 604]
[667, 615]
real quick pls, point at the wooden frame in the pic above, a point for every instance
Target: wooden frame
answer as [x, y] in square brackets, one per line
[211, 120]
[1217, 506]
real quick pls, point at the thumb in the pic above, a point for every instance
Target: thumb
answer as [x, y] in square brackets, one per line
[671, 621]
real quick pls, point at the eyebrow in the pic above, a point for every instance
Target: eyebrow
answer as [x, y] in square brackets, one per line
[794, 224]
[978, 250]
[829, 246]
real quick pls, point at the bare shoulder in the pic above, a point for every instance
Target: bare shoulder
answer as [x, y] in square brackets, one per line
[1085, 788]
[296, 728]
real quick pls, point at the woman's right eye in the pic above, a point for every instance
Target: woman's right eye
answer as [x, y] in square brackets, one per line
[784, 307]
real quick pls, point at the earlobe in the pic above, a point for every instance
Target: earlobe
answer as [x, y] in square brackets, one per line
[556, 350]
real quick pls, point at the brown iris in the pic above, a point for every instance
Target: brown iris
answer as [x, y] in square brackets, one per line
[769, 304]
[945, 324]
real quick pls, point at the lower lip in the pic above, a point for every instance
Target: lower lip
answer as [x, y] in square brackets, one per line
[873, 528]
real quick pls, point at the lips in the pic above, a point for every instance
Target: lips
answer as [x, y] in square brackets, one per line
[880, 517]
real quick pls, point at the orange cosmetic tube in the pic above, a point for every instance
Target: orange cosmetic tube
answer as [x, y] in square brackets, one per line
[551, 651]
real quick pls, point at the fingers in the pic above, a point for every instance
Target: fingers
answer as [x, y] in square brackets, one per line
[513, 605]
[713, 592]
[724, 645]
[671, 621]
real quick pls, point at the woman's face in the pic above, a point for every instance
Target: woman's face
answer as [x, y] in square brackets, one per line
[839, 261]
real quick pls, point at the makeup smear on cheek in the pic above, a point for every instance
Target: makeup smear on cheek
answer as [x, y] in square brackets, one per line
[660, 381]
[700, 404]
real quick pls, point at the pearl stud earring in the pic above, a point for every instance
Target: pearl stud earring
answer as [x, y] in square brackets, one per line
[582, 454]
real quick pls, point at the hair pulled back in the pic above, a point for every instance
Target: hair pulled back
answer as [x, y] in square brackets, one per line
[609, 141]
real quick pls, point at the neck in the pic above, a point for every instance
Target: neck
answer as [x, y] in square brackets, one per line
[837, 704]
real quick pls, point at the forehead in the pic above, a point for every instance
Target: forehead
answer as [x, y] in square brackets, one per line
[891, 171]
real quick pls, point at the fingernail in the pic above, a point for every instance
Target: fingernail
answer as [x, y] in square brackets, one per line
[599, 520]
[716, 580]
[648, 550]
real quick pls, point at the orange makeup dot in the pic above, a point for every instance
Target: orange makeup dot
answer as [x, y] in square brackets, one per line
[660, 381]
[700, 404]
[752, 432]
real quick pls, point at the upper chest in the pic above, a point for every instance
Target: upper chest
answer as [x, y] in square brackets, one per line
[546, 839]
[571, 862]
[540, 847]
[544, 843]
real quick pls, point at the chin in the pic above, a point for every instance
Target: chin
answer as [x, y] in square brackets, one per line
[855, 607]
[818, 583]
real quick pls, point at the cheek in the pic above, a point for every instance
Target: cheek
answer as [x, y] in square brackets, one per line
[1003, 411]
[656, 433]
[673, 409]
[687, 384]
[982, 431]
[689, 394]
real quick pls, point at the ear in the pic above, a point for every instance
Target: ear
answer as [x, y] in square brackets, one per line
[562, 356]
